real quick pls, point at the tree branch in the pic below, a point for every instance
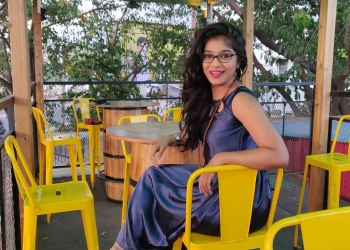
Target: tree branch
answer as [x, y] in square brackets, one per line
[219, 16]
[69, 19]
[5, 40]
[7, 84]
[268, 42]
[235, 7]
[346, 40]
[6, 56]
[117, 24]
[260, 67]
[3, 5]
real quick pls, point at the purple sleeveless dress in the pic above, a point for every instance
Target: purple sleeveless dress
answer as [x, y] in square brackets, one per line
[156, 212]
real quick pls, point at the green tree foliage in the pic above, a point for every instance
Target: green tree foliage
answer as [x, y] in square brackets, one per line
[89, 41]
[289, 31]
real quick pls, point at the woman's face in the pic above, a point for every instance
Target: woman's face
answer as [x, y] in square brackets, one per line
[219, 73]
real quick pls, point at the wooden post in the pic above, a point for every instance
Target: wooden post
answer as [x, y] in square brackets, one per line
[322, 98]
[248, 32]
[38, 57]
[17, 11]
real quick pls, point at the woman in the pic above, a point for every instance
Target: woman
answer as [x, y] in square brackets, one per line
[226, 118]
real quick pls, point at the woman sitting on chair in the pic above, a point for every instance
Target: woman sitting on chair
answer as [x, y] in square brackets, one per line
[225, 117]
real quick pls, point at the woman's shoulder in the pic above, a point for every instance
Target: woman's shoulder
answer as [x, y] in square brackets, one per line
[239, 89]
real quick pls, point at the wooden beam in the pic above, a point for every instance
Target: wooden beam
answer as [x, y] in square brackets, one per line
[248, 32]
[38, 57]
[17, 11]
[322, 98]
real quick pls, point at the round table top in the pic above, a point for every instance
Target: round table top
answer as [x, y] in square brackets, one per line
[127, 104]
[143, 132]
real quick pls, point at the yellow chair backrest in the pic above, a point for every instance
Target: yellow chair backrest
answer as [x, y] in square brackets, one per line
[321, 230]
[84, 109]
[40, 121]
[236, 184]
[135, 119]
[337, 133]
[12, 148]
[177, 113]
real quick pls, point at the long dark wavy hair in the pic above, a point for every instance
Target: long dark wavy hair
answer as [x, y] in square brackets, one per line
[196, 93]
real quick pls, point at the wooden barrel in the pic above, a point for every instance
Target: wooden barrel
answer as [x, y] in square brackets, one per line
[141, 159]
[112, 152]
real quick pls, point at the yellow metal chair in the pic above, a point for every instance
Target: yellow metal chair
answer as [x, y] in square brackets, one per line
[47, 143]
[335, 163]
[127, 157]
[236, 197]
[177, 112]
[321, 230]
[83, 110]
[52, 198]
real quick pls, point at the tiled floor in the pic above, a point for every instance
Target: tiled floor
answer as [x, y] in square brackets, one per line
[66, 231]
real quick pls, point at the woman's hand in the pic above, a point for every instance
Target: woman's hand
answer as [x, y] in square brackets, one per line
[204, 183]
[205, 179]
[158, 149]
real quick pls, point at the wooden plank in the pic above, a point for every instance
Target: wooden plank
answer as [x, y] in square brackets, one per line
[21, 77]
[248, 32]
[322, 98]
[6, 101]
[38, 57]
[17, 11]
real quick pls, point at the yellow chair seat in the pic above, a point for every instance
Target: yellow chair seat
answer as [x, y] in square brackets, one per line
[330, 161]
[61, 137]
[59, 197]
[50, 198]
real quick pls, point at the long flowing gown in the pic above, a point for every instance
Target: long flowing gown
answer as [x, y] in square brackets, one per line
[156, 211]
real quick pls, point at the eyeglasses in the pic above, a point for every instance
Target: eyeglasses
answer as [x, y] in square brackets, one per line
[223, 58]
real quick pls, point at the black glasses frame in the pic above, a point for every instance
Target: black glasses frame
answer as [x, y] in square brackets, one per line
[218, 57]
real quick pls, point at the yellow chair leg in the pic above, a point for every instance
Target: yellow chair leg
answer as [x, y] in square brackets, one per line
[49, 166]
[89, 222]
[125, 191]
[72, 160]
[301, 198]
[92, 156]
[177, 244]
[98, 149]
[334, 188]
[42, 171]
[81, 160]
[29, 232]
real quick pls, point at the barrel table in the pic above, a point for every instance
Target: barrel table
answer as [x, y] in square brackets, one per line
[142, 136]
[112, 151]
